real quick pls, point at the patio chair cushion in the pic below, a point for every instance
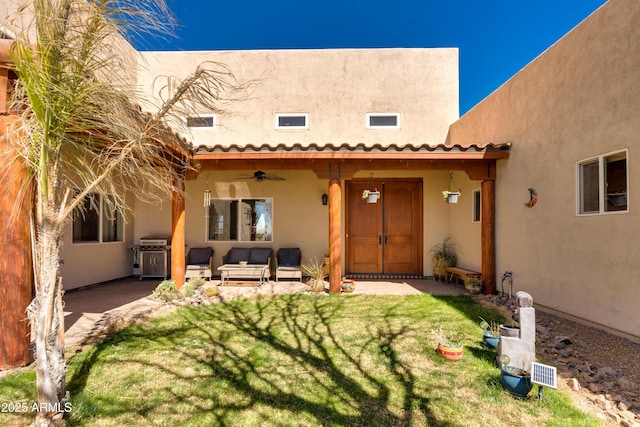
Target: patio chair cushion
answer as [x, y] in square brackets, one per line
[289, 257]
[260, 255]
[200, 255]
[238, 254]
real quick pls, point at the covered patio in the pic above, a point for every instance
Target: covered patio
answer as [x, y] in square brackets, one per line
[337, 165]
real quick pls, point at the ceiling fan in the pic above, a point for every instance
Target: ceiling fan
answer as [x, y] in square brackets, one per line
[261, 176]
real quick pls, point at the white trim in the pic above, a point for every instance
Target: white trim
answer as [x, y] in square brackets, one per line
[202, 116]
[601, 183]
[282, 115]
[370, 115]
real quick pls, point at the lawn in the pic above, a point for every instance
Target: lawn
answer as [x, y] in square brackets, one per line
[297, 360]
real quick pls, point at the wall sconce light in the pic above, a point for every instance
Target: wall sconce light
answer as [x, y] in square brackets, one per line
[325, 200]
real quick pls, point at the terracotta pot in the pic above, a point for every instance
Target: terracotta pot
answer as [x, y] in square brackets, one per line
[450, 353]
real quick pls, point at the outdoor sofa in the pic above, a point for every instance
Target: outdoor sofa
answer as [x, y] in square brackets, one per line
[252, 256]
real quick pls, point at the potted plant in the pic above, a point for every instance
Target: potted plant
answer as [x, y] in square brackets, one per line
[316, 273]
[516, 380]
[491, 333]
[451, 196]
[371, 196]
[443, 255]
[449, 344]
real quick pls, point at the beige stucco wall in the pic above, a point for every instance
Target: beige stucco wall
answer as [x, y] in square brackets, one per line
[579, 99]
[89, 263]
[336, 87]
[465, 233]
[300, 219]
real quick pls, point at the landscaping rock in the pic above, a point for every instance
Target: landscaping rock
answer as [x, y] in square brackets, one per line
[596, 365]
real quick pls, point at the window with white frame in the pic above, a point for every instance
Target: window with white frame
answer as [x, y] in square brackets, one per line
[603, 184]
[383, 120]
[97, 221]
[244, 220]
[204, 121]
[476, 215]
[292, 121]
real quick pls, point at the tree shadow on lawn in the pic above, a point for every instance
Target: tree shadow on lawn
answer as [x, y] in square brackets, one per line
[284, 355]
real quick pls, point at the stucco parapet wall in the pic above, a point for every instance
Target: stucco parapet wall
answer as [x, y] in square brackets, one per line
[486, 151]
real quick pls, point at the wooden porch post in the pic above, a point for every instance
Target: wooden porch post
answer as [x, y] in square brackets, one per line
[16, 268]
[488, 237]
[177, 235]
[4, 90]
[335, 232]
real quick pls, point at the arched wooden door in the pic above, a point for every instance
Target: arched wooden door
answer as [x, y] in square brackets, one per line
[384, 237]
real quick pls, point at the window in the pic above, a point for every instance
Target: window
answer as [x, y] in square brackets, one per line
[292, 121]
[97, 221]
[207, 121]
[245, 220]
[477, 206]
[603, 184]
[383, 120]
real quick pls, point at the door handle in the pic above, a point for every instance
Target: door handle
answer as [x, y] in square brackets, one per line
[379, 240]
[386, 239]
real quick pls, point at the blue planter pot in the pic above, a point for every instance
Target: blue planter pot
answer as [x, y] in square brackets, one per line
[517, 385]
[490, 341]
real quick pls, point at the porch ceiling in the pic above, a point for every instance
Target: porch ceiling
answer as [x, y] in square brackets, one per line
[343, 161]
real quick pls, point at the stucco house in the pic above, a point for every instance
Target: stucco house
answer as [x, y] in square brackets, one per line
[335, 122]
[572, 116]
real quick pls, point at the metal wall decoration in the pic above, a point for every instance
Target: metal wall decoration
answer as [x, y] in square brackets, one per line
[533, 198]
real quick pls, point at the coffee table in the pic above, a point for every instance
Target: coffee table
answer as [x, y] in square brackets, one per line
[251, 271]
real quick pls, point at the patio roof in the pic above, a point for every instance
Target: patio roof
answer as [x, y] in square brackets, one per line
[351, 151]
[347, 159]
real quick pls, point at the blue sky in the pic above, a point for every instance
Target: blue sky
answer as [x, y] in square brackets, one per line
[496, 38]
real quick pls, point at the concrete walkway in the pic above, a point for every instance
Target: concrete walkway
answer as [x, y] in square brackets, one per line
[94, 310]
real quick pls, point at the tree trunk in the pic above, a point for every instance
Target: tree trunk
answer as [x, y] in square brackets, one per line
[49, 334]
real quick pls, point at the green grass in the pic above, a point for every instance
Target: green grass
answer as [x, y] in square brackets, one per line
[297, 360]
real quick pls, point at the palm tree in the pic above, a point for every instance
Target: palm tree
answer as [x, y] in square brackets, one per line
[79, 131]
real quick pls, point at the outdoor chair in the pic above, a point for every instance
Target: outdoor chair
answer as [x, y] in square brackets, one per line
[199, 263]
[288, 264]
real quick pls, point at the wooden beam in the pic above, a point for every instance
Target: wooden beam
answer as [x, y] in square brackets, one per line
[335, 236]
[4, 90]
[482, 171]
[16, 268]
[324, 168]
[177, 236]
[488, 242]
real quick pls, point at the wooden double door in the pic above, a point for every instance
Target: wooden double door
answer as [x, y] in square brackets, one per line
[384, 237]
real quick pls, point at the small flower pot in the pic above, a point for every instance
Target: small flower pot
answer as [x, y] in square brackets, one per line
[515, 382]
[348, 285]
[450, 354]
[473, 287]
[450, 196]
[373, 197]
